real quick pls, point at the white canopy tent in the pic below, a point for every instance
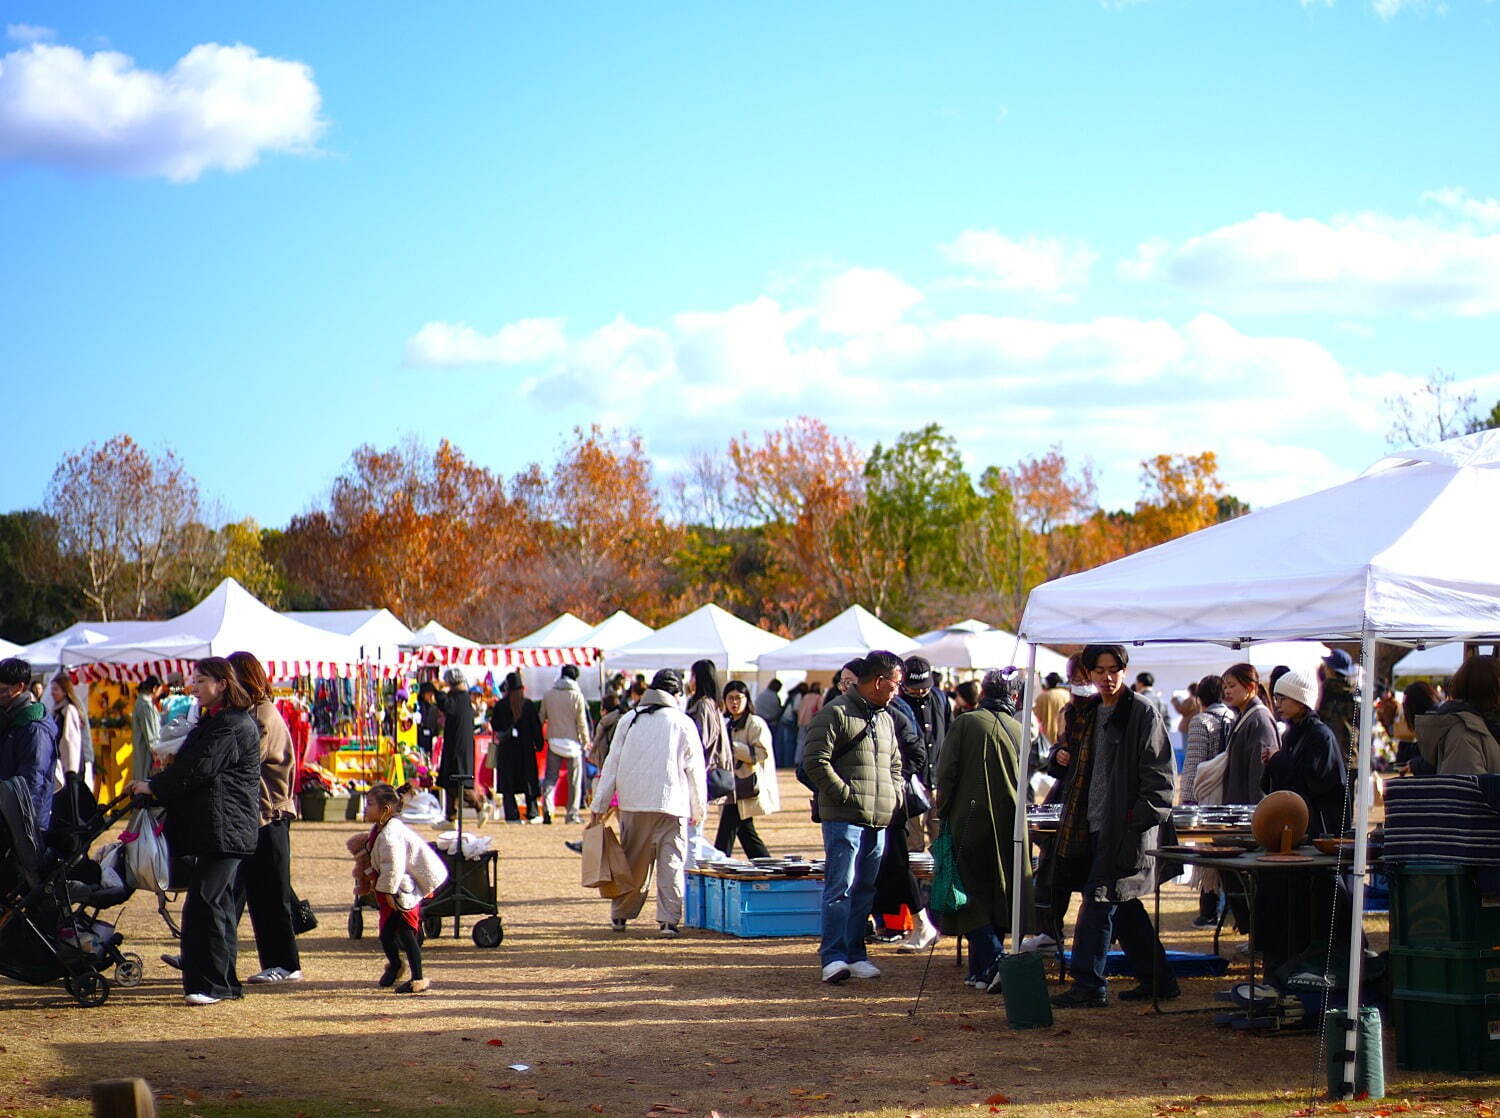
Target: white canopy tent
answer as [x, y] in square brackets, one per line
[972, 625]
[1439, 660]
[564, 630]
[230, 619]
[1373, 560]
[970, 650]
[708, 633]
[855, 632]
[7, 649]
[1174, 666]
[435, 635]
[378, 631]
[45, 655]
[616, 631]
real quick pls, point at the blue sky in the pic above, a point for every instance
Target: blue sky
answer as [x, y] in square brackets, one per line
[267, 235]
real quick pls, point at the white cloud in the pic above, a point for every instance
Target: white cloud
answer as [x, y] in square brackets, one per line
[28, 32]
[864, 301]
[1048, 265]
[1352, 265]
[218, 107]
[1390, 9]
[455, 343]
[1458, 201]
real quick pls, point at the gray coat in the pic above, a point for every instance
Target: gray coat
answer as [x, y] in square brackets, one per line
[1253, 731]
[1140, 800]
[866, 786]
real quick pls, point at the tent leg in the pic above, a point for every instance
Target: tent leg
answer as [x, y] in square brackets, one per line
[1023, 781]
[1362, 793]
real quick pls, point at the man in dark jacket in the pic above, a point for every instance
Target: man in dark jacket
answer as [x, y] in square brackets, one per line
[1119, 793]
[852, 759]
[1338, 705]
[456, 770]
[28, 738]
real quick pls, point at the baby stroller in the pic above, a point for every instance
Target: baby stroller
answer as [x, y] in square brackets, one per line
[51, 897]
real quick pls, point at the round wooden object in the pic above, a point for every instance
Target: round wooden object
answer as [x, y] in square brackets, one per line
[1280, 822]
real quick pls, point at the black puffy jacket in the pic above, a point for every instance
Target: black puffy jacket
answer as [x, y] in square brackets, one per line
[211, 789]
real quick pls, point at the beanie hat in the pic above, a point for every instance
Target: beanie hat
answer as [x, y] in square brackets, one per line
[453, 677]
[1297, 687]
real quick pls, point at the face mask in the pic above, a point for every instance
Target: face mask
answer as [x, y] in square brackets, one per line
[1082, 690]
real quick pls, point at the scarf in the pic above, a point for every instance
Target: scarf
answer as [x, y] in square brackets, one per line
[1073, 827]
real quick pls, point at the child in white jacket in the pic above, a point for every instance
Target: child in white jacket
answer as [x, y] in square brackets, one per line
[402, 870]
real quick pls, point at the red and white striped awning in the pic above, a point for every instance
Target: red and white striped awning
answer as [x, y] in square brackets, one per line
[502, 656]
[275, 669]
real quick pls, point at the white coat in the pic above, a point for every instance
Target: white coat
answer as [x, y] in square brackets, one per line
[655, 762]
[407, 867]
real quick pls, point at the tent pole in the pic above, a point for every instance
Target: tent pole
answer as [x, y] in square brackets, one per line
[1362, 792]
[1023, 782]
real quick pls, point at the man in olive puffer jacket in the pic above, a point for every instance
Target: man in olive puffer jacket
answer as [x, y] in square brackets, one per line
[852, 759]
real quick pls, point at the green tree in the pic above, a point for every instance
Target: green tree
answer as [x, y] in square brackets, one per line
[38, 586]
[1486, 422]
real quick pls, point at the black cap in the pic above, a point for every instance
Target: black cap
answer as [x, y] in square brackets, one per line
[918, 672]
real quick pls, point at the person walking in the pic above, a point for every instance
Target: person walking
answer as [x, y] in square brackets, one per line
[265, 881]
[718, 755]
[655, 770]
[211, 791]
[851, 758]
[518, 741]
[750, 738]
[1119, 793]
[75, 747]
[567, 720]
[456, 769]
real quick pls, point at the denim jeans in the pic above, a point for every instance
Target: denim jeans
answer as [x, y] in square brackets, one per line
[852, 854]
[1098, 923]
[985, 946]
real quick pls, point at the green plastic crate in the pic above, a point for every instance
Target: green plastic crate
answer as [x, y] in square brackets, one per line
[1436, 905]
[1446, 970]
[1454, 1033]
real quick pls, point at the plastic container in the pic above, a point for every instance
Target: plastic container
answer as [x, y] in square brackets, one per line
[1446, 970]
[779, 907]
[713, 904]
[692, 900]
[1454, 1033]
[1436, 905]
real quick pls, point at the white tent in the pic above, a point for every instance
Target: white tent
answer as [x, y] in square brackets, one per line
[1398, 555]
[830, 646]
[980, 650]
[372, 629]
[563, 631]
[435, 635]
[972, 625]
[230, 619]
[1439, 660]
[1176, 665]
[45, 655]
[615, 631]
[708, 633]
[7, 649]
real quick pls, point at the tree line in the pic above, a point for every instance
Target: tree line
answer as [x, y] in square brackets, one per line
[785, 528]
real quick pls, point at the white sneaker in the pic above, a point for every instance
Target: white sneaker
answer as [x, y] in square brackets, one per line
[864, 969]
[837, 972]
[1038, 943]
[919, 940]
[275, 974]
[535, 820]
[200, 999]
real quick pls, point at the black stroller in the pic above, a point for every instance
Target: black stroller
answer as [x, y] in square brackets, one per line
[51, 898]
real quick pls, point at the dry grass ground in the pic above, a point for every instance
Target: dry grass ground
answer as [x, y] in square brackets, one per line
[633, 1024]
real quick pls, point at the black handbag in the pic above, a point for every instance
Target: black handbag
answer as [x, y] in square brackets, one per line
[303, 918]
[720, 783]
[747, 787]
[917, 802]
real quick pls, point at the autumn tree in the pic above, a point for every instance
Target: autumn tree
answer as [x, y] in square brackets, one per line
[126, 517]
[1049, 530]
[1180, 494]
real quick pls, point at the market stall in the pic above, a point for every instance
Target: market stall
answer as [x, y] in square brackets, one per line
[708, 633]
[855, 632]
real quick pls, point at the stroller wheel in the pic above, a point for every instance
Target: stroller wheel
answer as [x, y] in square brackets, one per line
[432, 926]
[488, 932]
[130, 970]
[89, 989]
[356, 923]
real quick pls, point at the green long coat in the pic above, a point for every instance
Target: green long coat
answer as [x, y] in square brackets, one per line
[981, 815]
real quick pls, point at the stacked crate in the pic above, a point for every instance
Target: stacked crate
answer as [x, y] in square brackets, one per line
[1445, 962]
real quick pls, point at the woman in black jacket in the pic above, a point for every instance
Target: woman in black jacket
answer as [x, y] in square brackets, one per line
[1309, 761]
[211, 791]
[517, 742]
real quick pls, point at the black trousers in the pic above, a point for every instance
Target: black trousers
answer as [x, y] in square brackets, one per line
[895, 884]
[265, 885]
[732, 826]
[210, 928]
[397, 937]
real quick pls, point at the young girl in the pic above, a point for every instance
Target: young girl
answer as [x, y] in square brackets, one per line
[401, 869]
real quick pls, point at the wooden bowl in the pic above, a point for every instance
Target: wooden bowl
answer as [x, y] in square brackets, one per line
[1333, 845]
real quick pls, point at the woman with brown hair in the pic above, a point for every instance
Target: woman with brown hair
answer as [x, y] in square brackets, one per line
[74, 749]
[1252, 738]
[265, 882]
[211, 791]
[1463, 735]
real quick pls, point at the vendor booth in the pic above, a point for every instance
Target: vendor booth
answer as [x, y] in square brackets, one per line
[978, 651]
[435, 635]
[379, 632]
[855, 632]
[1372, 560]
[708, 633]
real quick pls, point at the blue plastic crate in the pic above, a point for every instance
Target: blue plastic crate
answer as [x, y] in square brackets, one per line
[692, 900]
[779, 907]
[713, 904]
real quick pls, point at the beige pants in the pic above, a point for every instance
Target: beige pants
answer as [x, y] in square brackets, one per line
[653, 840]
[921, 832]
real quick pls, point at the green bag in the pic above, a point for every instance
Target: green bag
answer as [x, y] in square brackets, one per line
[947, 886]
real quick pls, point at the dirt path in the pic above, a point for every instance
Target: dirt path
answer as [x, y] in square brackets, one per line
[618, 1024]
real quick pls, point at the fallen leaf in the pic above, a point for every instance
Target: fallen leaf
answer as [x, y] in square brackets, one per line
[997, 1099]
[235, 1095]
[1203, 1098]
[596, 1108]
[967, 1028]
[495, 1042]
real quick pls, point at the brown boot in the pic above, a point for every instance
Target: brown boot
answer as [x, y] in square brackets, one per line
[414, 986]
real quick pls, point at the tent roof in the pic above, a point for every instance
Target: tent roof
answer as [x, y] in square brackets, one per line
[972, 625]
[616, 631]
[1377, 553]
[1441, 659]
[990, 648]
[435, 634]
[46, 654]
[708, 633]
[833, 644]
[563, 631]
[370, 627]
[228, 620]
[7, 649]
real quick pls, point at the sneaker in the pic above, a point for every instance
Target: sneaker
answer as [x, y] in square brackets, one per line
[886, 937]
[200, 999]
[864, 969]
[668, 930]
[394, 973]
[919, 940]
[616, 925]
[1038, 943]
[1141, 992]
[415, 986]
[1079, 998]
[536, 820]
[573, 817]
[837, 972]
[276, 974]
[973, 982]
[1206, 922]
[575, 847]
[173, 961]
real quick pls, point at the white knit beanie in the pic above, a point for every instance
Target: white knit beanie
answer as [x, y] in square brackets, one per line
[1296, 686]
